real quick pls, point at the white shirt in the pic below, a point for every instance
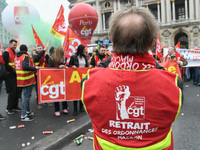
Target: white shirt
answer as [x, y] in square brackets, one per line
[81, 62]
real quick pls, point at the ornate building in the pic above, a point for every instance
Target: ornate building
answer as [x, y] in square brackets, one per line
[5, 36]
[179, 20]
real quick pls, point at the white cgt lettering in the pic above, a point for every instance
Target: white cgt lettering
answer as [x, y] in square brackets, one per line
[136, 111]
[53, 90]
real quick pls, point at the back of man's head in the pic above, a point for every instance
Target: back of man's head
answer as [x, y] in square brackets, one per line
[23, 48]
[133, 31]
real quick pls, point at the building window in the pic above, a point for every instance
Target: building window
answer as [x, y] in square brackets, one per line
[180, 10]
[153, 9]
[107, 4]
[141, 3]
[107, 16]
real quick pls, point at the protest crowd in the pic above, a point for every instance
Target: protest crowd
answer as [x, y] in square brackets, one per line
[21, 73]
[21, 68]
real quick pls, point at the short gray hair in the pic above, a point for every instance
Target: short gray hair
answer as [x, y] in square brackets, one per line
[136, 35]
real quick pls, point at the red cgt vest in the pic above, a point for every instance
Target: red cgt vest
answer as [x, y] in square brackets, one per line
[24, 78]
[11, 57]
[132, 110]
[42, 62]
[97, 60]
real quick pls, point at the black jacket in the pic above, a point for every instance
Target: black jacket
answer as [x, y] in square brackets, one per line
[25, 63]
[74, 61]
[36, 58]
[101, 57]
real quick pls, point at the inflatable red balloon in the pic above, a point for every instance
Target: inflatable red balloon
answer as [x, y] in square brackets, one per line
[83, 19]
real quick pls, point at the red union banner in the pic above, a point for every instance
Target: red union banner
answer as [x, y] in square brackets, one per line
[172, 66]
[71, 43]
[57, 85]
[20, 14]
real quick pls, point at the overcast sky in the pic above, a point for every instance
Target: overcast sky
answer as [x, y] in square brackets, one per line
[48, 9]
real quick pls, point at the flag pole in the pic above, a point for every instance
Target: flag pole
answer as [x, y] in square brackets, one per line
[47, 44]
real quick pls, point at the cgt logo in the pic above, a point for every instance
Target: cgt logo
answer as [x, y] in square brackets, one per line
[51, 87]
[128, 107]
[136, 109]
[86, 31]
[53, 90]
[21, 14]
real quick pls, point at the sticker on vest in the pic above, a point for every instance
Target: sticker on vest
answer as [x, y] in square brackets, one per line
[127, 106]
[17, 64]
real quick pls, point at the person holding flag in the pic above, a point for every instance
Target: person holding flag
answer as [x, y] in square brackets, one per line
[40, 59]
[173, 55]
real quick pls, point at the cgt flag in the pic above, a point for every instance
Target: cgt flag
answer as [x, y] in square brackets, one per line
[158, 47]
[37, 39]
[71, 43]
[59, 27]
[178, 45]
[172, 66]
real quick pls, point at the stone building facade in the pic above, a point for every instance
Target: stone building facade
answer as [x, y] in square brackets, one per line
[5, 36]
[179, 20]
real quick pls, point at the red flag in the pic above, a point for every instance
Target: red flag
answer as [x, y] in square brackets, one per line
[59, 27]
[172, 66]
[37, 39]
[71, 43]
[158, 47]
[178, 45]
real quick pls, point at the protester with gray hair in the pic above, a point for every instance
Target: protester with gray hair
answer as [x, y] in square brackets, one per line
[132, 104]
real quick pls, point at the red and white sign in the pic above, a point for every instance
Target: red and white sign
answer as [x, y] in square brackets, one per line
[71, 43]
[56, 85]
[20, 14]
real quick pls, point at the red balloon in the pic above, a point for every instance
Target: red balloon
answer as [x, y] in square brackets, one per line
[83, 19]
